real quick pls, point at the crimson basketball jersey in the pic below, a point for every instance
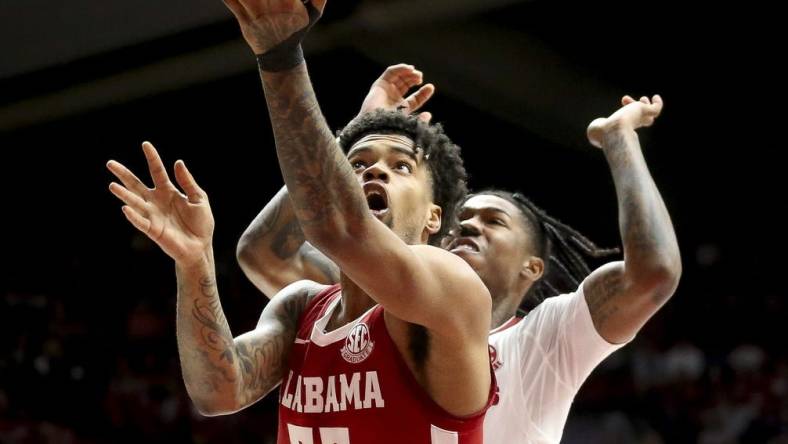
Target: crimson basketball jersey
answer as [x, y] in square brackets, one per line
[352, 386]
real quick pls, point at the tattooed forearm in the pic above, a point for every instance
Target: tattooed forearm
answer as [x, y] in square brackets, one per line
[273, 251]
[622, 296]
[224, 374]
[271, 216]
[205, 343]
[269, 219]
[288, 240]
[322, 186]
[207, 311]
[650, 244]
[218, 375]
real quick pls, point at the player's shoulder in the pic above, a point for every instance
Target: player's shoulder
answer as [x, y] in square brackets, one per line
[306, 290]
[303, 296]
[552, 317]
[558, 303]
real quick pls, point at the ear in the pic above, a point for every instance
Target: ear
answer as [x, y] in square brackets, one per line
[434, 213]
[533, 269]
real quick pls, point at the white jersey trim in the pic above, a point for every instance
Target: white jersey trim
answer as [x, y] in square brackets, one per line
[441, 436]
[322, 339]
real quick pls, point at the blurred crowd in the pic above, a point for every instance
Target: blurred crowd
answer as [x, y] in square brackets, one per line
[68, 374]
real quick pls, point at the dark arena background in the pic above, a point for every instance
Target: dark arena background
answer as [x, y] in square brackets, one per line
[87, 304]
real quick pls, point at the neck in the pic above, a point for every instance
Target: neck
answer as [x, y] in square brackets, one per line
[506, 301]
[504, 309]
[506, 298]
[354, 303]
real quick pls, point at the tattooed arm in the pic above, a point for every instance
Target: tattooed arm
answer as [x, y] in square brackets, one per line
[326, 195]
[225, 374]
[273, 252]
[334, 216]
[222, 374]
[622, 296]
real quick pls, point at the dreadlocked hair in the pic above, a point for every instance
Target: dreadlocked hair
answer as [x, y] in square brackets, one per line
[564, 250]
[442, 156]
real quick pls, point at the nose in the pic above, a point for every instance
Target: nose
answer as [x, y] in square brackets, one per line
[376, 172]
[470, 227]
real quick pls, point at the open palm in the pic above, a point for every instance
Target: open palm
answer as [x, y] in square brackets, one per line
[181, 224]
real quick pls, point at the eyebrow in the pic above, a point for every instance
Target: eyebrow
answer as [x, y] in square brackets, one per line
[493, 209]
[407, 152]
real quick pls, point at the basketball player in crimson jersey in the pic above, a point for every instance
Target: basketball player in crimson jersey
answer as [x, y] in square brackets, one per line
[356, 361]
[541, 359]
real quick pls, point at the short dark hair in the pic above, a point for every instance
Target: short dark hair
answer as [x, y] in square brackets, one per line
[443, 158]
[563, 249]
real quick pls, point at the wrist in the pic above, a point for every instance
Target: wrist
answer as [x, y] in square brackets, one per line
[615, 132]
[196, 263]
[617, 126]
[280, 59]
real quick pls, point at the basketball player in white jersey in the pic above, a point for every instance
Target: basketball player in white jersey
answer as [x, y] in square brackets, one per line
[523, 255]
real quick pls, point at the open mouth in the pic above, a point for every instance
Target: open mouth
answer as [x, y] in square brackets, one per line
[464, 244]
[377, 200]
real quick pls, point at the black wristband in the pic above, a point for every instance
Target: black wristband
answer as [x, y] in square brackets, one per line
[288, 53]
[280, 59]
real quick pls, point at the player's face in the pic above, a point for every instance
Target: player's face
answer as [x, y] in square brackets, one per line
[492, 237]
[396, 183]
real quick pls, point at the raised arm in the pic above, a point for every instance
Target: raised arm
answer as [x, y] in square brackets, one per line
[222, 374]
[273, 252]
[326, 195]
[622, 296]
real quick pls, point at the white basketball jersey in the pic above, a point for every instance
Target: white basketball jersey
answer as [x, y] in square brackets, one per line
[541, 361]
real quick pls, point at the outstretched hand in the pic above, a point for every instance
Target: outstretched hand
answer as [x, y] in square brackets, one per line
[632, 115]
[389, 90]
[180, 223]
